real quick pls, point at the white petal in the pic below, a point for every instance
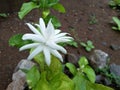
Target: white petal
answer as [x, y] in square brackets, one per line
[42, 27]
[57, 31]
[50, 29]
[35, 52]
[33, 37]
[57, 54]
[57, 47]
[28, 46]
[47, 56]
[33, 29]
[60, 35]
[63, 39]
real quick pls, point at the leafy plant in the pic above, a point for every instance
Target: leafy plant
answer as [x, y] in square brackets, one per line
[111, 77]
[48, 77]
[88, 45]
[84, 76]
[114, 3]
[3, 15]
[16, 41]
[117, 22]
[93, 19]
[44, 7]
[70, 43]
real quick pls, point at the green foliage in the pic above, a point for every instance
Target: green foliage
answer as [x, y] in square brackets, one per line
[59, 7]
[83, 68]
[117, 22]
[26, 8]
[33, 77]
[51, 78]
[54, 19]
[81, 83]
[4, 15]
[111, 77]
[17, 41]
[44, 6]
[70, 43]
[93, 19]
[84, 77]
[71, 68]
[88, 45]
[114, 3]
[83, 62]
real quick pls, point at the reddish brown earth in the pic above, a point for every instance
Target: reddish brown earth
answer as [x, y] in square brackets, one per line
[75, 21]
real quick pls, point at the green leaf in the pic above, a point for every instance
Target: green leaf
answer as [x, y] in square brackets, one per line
[88, 49]
[81, 83]
[117, 21]
[26, 8]
[52, 2]
[59, 7]
[90, 73]
[83, 62]
[45, 13]
[33, 77]
[3, 15]
[72, 43]
[17, 41]
[54, 68]
[115, 28]
[55, 21]
[61, 82]
[89, 42]
[83, 44]
[43, 84]
[71, 68]
[44, 4]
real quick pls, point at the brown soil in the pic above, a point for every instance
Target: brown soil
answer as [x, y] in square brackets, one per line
[75, 21]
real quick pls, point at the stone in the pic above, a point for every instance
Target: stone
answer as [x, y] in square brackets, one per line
[99, 59]
[24, 64]
[115, 69]
[90, 28]
[19, 79]
[115, 47]
[72, 58]
[18, 75]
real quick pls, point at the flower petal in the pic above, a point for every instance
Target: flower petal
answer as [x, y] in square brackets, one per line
[35, 52]
[63, 39]
[33, 29]
[57, 31]
[42, 27]
[57, 47]
[60, 35]
[28, 46]
[57, 54]
[47, 56]
[33, 37]
[50, 29]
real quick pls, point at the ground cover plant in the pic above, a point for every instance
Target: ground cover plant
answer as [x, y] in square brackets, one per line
[48, 74]
[77, 18]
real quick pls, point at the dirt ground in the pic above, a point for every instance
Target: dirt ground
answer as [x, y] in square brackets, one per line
[75, 21]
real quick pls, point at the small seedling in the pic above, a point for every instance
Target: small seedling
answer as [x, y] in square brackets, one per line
[4, 15]
[114, 3]
[88, 45]
[93, 19]
[117, 22]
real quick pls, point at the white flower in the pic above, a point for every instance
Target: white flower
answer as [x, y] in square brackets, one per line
[46, 40]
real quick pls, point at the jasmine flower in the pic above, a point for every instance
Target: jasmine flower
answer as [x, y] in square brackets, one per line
[46, 40]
